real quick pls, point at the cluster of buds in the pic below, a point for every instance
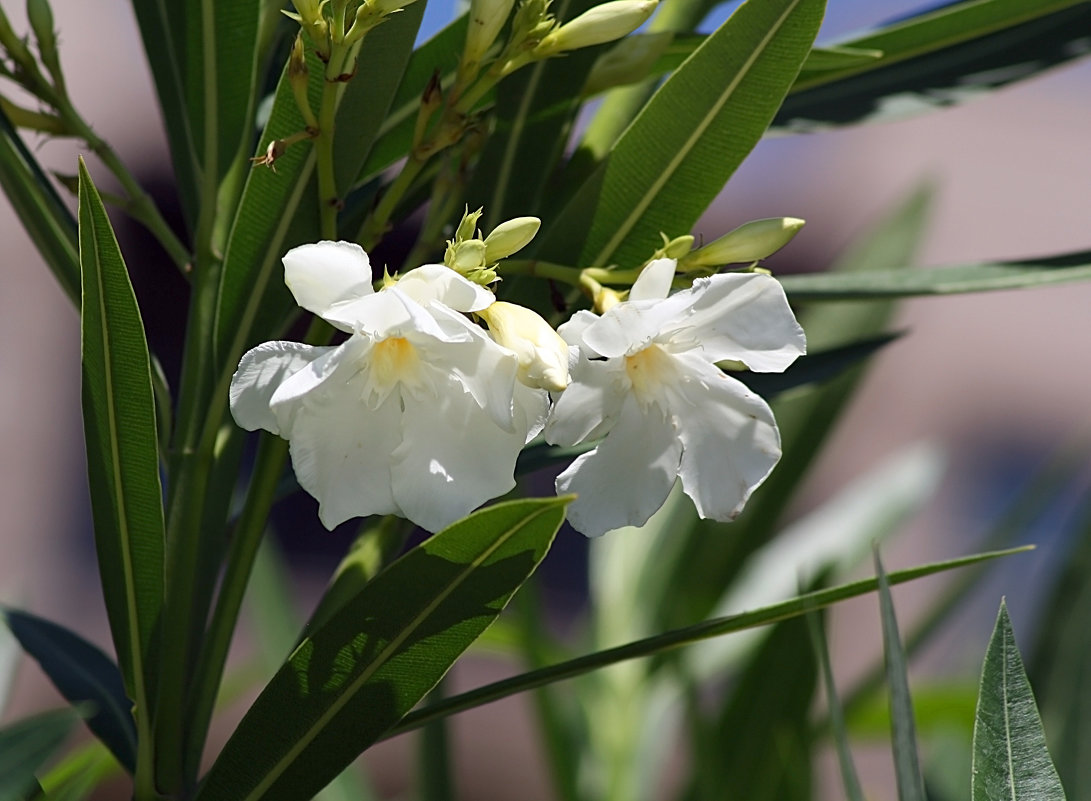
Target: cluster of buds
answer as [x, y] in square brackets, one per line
[475, 257]
[333, 24]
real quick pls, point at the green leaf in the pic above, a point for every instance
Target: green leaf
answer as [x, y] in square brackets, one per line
[219, 69]
[679, 152]
[77, 776]
[907, 767]
[1011, 761]
[815, 367]
[162, 29]
[43, 214]
[941, 58]
[279, 210]
[24, 748]
[676, 638]
[910, 282]
[81, 673]
[358, 674]
[440, 53]
[122, 455]
[849, 779]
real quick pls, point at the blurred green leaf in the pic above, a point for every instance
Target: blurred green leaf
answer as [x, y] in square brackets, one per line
[677, 638]
[910, 282]
[763, 732]
[80, 773]
[81, 673]
[24, 748]
[122, 450]
[849, 780]
[44, 215]
[815, 367]
[907, 767]
[1011, 760]
[679, 152]
[1060, 667]
[358, 674]
[940, 58]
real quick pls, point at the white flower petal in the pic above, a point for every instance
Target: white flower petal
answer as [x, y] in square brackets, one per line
[261, 371]
[439, 283]
[341, 454]
[326, 273]
[654, 281]
[386, 313]
[452, 459]
[729, 438]
[745, 317]
[529, 409]
[317, 379]
[627, 477]
[572, 331]
[591, 404]
[629, 326]
[483, 369]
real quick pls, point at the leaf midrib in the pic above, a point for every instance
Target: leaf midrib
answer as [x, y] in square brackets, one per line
[639, 208]
[381, 659]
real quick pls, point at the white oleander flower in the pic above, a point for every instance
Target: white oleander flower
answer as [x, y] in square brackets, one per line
[644, 378]
[418, 413]
[542, 353]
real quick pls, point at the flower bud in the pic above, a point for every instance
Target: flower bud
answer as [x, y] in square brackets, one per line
[600, 24]
[467, 226]
[487, 17]
[542, 354]
[510, 237]
[678, 247]
[749, 242]
[465, 256]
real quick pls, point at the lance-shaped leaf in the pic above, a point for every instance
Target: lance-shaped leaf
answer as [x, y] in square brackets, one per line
[903, 283]
[25, 746]
[941, 58]
[279, 210]
[122, 455]
[44, 215]
[681, 149]
[1011, 761]
[357, 674]
[81, 673]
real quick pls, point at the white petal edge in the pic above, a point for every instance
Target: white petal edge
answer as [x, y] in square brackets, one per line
[654, 281]
[590, 406]
[439, 283]
[627, 477]
[730, 441]
[323, 274]
[260, 373]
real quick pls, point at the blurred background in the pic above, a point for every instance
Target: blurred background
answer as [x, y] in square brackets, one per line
[998, 381]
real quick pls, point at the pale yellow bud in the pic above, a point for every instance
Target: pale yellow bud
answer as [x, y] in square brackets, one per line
[542, 354]
[465, 256]
[487, 17]
[598, 25]
[510, 237]
[678, 247]
[467, 226]
[748, 243]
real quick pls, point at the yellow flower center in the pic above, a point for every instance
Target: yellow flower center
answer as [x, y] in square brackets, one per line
[650, 370]
[392, 362]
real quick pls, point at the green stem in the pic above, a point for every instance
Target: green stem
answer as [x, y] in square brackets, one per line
[541, 269]
[371, 233]
[436, 782]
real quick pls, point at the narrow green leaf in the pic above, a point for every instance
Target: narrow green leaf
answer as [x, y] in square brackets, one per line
[24, 748]
[122, 452]
[81, 673]
[219, 69]
[679, 152]
[850, 781]
[440, 53]
[907, 767]
[676, 638]
[1011, 761]
[764, 731]
[816, 367]
[910, 282]
[162, 29]
[43, 214]
[359, 673]
[938, 59]
[279, 210]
